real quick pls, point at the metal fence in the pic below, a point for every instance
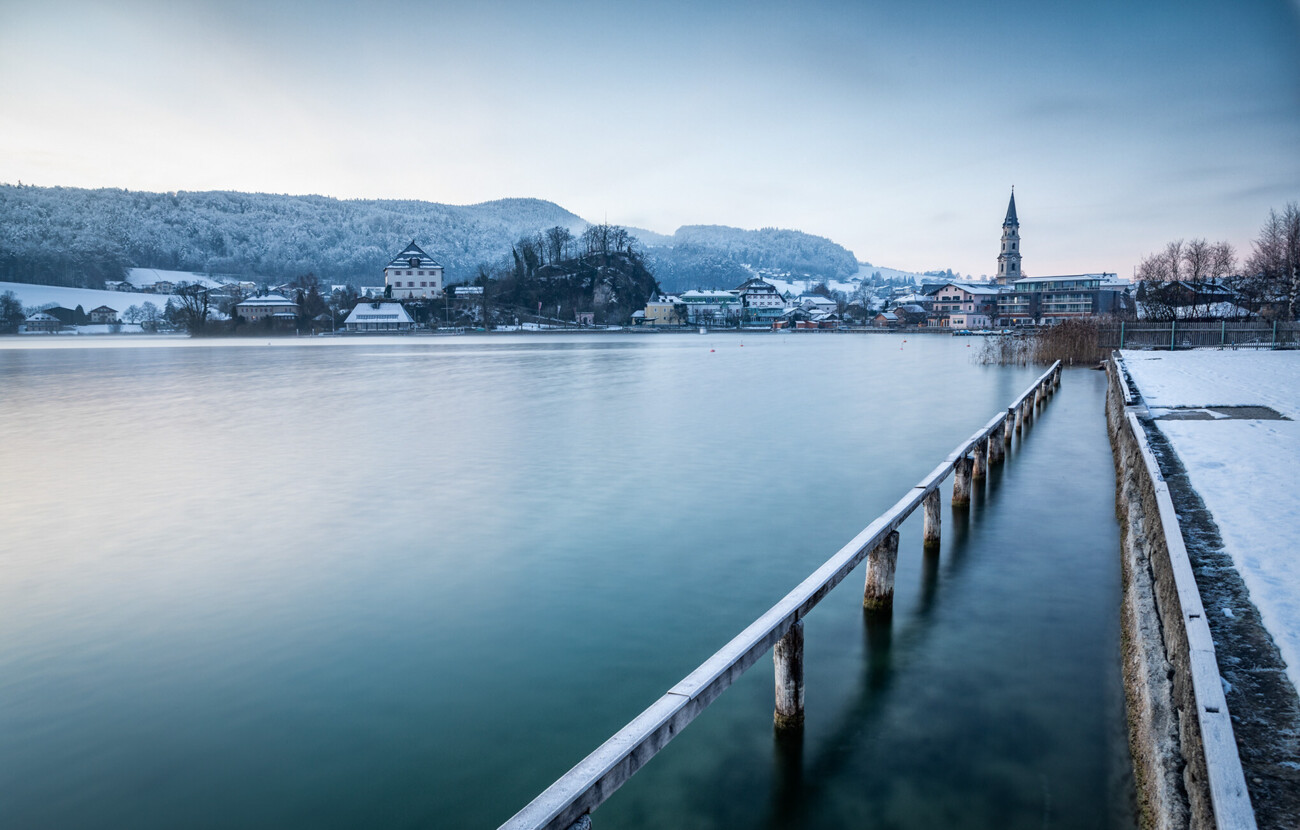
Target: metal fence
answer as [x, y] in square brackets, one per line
[1145, 334]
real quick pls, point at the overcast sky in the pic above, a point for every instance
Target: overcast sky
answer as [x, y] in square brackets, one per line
[896, 129]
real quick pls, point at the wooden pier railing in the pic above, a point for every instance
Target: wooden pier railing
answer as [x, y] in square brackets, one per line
[595, 778]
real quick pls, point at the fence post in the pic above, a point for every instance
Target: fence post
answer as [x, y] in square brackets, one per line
[878, 597]
[933, 520]
[1121, 334]
[1223, 332]
[1274, 345]
[787, 660]
[1173, 329]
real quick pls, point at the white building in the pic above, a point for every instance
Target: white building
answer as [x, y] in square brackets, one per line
[271, 306]
[413, 274]
[760, 300]
[378, 317]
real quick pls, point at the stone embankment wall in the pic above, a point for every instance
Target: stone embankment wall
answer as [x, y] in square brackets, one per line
[1164, 734]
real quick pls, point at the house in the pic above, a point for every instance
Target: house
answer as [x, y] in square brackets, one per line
[269, 307]
[666, 311]
[711, 307]
[103, 314]
[118, 285]
[760, 301]
[911, 315]
[585, 318]
[955, 297]
[161, 287]
[818, 302]
[378, 317]
[40, 322]
[413, 275]
[885, 320]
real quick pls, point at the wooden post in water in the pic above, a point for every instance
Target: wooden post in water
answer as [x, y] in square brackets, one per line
[933, 521]
[997, 449]
[980, 464]
[787, 658]
[1020, 417]
[961, 480]
[1008, 427]
[878, 597]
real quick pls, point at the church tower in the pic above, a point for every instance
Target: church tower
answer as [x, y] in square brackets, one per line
[1009, 258]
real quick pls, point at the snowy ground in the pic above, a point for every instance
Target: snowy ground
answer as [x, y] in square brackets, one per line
[38, 295]
[1243, 469]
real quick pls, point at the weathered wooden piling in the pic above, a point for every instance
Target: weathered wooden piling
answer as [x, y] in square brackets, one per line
[1008, 427]
[787, 658]
[933, 520]
[1020, 417]
[997, 448]
[878, 597]
[961, 480]
[980, 464]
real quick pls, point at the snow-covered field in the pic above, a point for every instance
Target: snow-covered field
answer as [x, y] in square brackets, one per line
[38, 295]
[1243, 469]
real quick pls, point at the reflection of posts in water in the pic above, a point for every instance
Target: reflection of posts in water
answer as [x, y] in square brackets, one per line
[787, 658]
[878, 596]
[788, 794]
[929, 578]
[880, 631]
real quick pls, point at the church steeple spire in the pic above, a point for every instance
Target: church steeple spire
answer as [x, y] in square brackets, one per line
[1009, 257]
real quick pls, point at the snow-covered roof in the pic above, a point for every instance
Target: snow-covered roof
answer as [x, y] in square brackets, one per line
[151, 276]
[412, 257]
[378, 313]
[267, 301]
[42, 317]
[971, 288]
[103, 308]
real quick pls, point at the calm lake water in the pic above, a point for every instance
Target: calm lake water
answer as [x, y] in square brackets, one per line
[407, 583]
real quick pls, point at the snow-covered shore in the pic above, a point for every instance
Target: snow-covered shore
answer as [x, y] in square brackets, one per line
[1242, 468]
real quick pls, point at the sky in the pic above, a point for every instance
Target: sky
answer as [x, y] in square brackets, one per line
[896, 129]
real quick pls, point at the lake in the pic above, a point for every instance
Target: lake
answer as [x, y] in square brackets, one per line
[409, 582]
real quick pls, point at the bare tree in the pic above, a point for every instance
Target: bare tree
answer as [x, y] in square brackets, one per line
[1273, 268]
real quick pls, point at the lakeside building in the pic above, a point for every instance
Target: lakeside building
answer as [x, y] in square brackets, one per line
[711, 307]
[271, 306]
[413, 275]
[760, 301]
[378, 317]
[956, 303]
[41, 323]
[103, 314]
[665, 311]
[1047, 300]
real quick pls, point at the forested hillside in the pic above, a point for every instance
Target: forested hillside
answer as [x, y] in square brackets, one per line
[80, 238]
[716, 256]
[71, 236]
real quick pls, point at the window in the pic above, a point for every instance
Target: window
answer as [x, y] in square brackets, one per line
[423, 284]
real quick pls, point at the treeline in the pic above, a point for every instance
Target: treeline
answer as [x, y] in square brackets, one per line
[1203, 280]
